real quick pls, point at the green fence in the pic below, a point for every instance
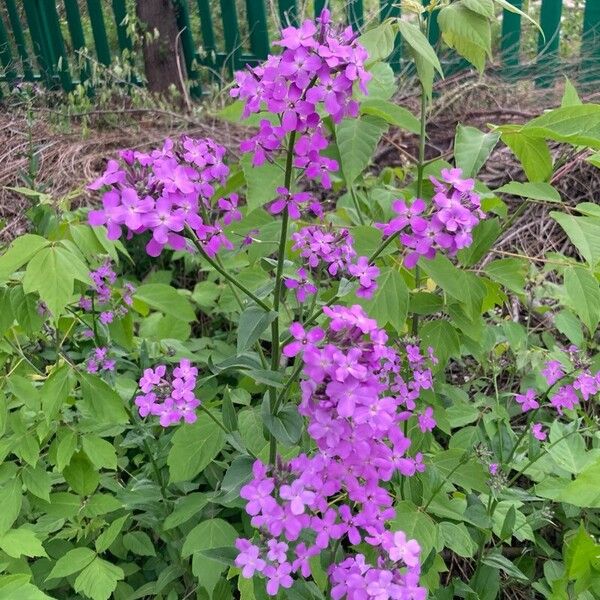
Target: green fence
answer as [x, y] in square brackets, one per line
[44, 40]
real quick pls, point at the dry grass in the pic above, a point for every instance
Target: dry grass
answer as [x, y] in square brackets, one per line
[69, 160]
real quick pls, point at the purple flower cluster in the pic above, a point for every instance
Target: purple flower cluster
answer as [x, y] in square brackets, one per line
[314, 75]
[100, 295]
[333, 251]
[356, 402]
[170, 397]
[164, 191]
[99, 361]
[295, 204]
[447, 227]
[303, 285]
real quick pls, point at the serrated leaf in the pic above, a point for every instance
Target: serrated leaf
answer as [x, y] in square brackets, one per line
[38, 482]
[72, 562]
[498, 561]
[99, 579]
[21, 542]
[101, 401]
[185, 509]
[109, 535]
[379, 42]
[139, 543]
[194, 446]
[457, 538]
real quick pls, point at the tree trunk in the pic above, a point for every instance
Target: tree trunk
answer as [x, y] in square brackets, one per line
[160, 55]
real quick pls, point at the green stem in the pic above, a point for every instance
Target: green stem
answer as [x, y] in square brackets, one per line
[213, 418]
[275, 342]
[230, 278]
[356, 204]
[446, 479]
[420, 171]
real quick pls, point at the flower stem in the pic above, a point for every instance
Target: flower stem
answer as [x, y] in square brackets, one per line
[230, 278]
[275, 345]
[420, 170]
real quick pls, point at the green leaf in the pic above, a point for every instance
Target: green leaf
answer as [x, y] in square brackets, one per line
[536, 191]
[251, 430]
[72, 562]
[390, 301]
[533, 153]
[21, 542]
[262, 182]
[482, 7]
[391, 113]
[11, 499]
[81, 475]
[38, 482]
[214, 533]
[567, 449]
[457, 538]
[379, 42]
[253, 322]
[102, 453]
[17, 587]
[506, 5]
[509, 272]
[569, 325]
[442, 337]
[383, 81]
[101, 401]
[467, 32]
[185, 509]
[194, 448]
[286, 425]
[583, 490]
[167, 300]
[51, 273]
[484, 235]
[508, 524]
[498, 561]
[356, 140]
[468, 474]
[422, 52]
[99, 579]
[581, 552]
[570, 95]
[577, 125]
[66, 448]
[55, 392]
[472, 148]
[109, 535]
[139, 543]
[20, 252]
[584, 232]
[583, 294]
[416, 525]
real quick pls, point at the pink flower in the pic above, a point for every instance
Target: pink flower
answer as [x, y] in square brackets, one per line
[537, 432]
[527, 400]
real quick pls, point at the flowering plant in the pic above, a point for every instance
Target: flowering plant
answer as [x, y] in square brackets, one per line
[295, 377]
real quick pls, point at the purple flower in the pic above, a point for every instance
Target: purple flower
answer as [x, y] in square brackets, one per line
[426, 420]
[249, 558]
[493, 468]
[552, 372]
[527, 400]
[302, 338]
[537, 432]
